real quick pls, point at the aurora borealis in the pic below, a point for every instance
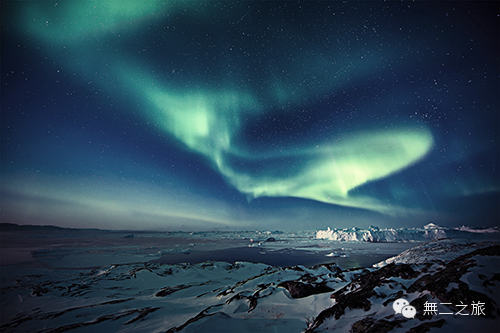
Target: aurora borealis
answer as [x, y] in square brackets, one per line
[217, 114]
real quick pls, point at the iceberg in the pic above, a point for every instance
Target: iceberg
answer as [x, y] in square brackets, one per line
[428, 232]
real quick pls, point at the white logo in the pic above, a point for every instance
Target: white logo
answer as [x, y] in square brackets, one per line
[409, 311]
[399, 304]
[402, 306]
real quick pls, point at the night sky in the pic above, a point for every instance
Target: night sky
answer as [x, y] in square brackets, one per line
[218, 115]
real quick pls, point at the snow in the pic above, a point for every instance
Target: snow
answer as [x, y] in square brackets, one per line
[431, 226]
[435, 251]
[83, 283]
[428, 232]
[195, 288]
[479, 231]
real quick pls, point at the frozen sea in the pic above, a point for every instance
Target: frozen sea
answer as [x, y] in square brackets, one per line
[80, 248]
[83, 280]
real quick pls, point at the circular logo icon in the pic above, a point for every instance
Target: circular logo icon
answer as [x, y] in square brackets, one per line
[409, 311]
[399, 304]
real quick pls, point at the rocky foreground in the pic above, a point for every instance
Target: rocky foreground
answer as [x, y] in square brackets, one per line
[248, 297]
[365, 304]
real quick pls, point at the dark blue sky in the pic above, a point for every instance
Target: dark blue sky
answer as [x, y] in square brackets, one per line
[250, 115]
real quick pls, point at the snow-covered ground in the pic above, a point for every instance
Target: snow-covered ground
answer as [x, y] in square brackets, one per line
[60, 280]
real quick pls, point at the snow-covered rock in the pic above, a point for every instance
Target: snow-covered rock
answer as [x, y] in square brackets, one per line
[452, 286]
[46, 294]
[479, 231]
[153, 297]
[439, 251]
[428, 232]
[431, 226]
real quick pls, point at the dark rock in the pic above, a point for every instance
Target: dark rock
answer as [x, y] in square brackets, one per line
[298, 289]
[169, 290]
[332, 267]
[426, 327]
[204, 313]
[438, 282]
[236, 297]
[253, 298]
[357, 293]
[431, 284]
[271, 239]
[108, 317]
[418, 303]
[370, 325]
